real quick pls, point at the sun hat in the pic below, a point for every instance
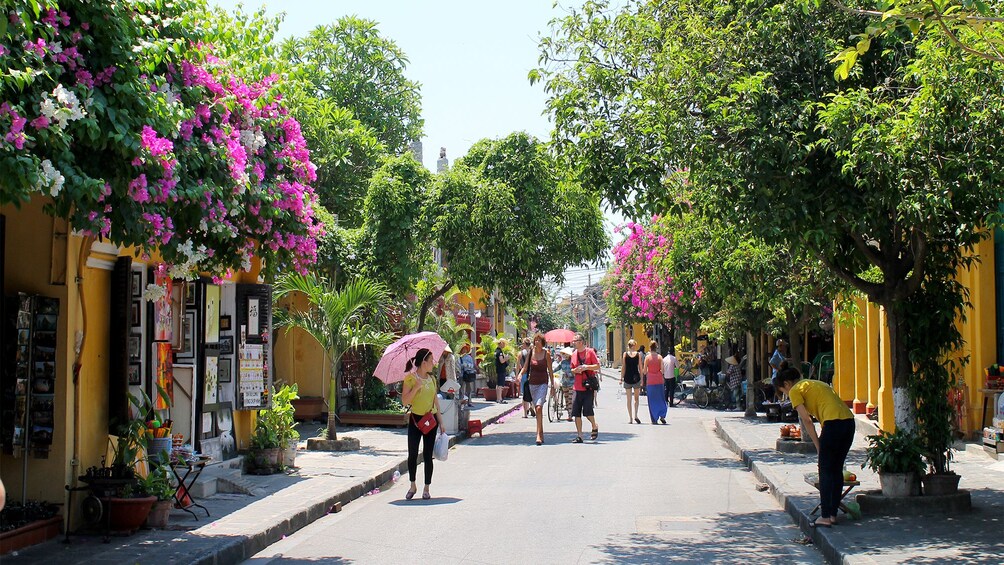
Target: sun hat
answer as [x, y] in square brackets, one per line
[566, 351]
[732, 360]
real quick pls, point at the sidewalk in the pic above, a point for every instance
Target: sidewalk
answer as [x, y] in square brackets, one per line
[244, 524]
[971, 538]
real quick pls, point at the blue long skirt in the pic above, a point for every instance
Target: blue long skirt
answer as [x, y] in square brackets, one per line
[657, 407]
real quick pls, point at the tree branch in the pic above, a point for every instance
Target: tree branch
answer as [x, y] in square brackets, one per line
[875, 292]
[427, 303]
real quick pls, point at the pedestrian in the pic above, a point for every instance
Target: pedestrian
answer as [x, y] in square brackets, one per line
[585, 364]
[447, 367]
[655, 389]
[501, 370]
[631, 379]
[523, 378]
[779, 355]
[669, 377]
[540, 378]
[424, 416]
[733, 380]
[567, 378]
[468, 374]
[816, 399]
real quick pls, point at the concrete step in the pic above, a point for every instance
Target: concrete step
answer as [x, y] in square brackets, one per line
[219, 477]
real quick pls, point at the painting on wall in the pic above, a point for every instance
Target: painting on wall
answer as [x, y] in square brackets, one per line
[212, 381]
[163, 375]
[187, 351]
[163, 328]
[212, 313]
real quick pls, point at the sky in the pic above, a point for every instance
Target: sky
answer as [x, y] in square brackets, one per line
[471, 59]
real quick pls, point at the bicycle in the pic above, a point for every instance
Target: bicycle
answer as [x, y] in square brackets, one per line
[689, 374]
[705, 396]
[556, 405]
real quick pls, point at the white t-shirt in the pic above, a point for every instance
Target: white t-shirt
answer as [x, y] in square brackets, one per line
[668, 366]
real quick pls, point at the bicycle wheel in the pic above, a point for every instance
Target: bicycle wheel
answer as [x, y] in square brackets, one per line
[680, 393]
[552, 408]
[701, 397]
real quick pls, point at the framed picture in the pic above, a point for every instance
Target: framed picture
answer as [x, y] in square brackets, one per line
[225, 425]
[135, 314]
[177, 315]
[254, 318]
[135, 341]
[212, 313]
[225, 323]
[226, 345]
[137, 283]
[211, 391]
[187, 350]
[190, 294]
[225, 370]
[135, 374]
[163, 375]
[162, 325]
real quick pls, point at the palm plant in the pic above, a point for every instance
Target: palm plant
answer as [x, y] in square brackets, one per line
[338, 319]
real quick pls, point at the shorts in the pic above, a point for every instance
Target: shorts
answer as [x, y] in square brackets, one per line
[630, 386]
[538, 394]
[500, 381]
[582, 405]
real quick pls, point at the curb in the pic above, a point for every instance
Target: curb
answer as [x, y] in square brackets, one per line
[785, 500]
[238, 549]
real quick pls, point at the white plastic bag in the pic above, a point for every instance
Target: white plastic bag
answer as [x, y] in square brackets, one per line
[442, 448]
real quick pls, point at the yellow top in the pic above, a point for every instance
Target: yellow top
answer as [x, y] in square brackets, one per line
[425, 399]
[819, 400]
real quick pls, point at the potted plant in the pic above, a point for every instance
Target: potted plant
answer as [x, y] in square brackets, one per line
[158, 484]
[285, 423]
[274, 434]
[898, 459]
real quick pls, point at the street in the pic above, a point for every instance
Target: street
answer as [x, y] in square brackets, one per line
[640, 494]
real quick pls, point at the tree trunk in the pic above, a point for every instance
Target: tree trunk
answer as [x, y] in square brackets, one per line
[333, 399]
[430, 300]
[751, 381]
[904, 411]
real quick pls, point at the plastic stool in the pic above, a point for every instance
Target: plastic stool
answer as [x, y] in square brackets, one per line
[474, 427]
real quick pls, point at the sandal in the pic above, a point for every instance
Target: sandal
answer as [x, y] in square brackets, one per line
[410, 494]
[578, 439]
[426, 496]
[817, 524]
[594, 434]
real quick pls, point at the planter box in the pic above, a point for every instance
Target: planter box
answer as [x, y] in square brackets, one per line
[308, 408]
[363, 419]
[32, 534]
[490, 393]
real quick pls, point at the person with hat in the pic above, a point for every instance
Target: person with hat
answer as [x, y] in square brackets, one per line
[468, 374]
[733, 379]
[567, 378]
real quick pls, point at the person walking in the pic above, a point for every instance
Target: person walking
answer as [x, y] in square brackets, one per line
[816, 399]
[447, 367]
[779, 355]
[523, 379]
[655, 389]
[501, 370]
[468, 374]
[734, 381]
[540, 378]
[584, 364]
[567, 378]
[424, 418]
[669, 377]
[631, 379]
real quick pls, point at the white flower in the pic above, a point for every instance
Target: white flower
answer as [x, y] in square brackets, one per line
[50, 178]
[65, 109]
[252, 140]
[245, 262]
[154, 292]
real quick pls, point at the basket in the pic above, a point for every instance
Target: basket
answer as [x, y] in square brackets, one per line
[700, 380]
[156, 446]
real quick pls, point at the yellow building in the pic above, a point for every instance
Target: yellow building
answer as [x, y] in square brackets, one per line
[863, 369]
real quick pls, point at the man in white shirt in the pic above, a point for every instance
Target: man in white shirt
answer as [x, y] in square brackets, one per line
[669, 377]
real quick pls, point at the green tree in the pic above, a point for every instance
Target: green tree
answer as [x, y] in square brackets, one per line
[506, 218]
[889, 177]
[338, 319]
[353, 66]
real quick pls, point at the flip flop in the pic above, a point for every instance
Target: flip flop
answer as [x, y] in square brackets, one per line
[410, 494]
[594, 434]
[577, 440]
[816, 524]
[426, 496]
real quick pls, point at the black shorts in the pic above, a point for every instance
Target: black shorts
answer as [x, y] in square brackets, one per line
[582, 405]
[500, 379]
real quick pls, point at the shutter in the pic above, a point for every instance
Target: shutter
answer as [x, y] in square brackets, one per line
[118, 343]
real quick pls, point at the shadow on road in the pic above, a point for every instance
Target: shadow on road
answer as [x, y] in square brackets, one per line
[555, 437]
[434, 501]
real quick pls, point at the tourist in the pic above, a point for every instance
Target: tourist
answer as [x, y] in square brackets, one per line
[585, 364]
[523, 379]
[779, 355]
[468, 374]
[424, 417]
[816, 399]
[734, 381]
[567, 379]
[501, 371]
[669, 377]
[655, 389]
[631, 379]
[540, 378]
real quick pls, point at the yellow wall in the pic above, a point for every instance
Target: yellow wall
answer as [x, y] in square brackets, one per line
[863, 367]
[629, 332]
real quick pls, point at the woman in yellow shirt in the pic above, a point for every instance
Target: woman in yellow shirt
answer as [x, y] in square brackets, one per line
[816, 399]
[420, 393]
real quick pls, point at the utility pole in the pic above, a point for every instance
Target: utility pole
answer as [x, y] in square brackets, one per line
[589, 317]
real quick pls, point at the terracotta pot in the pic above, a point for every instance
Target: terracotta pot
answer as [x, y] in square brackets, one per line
[159, 514]
[126, 515]
[939, 485]
[899, 484]
[264, 461]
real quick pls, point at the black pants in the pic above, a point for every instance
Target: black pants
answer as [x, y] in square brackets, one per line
[428, 441]
[834, 443]
[670, 390]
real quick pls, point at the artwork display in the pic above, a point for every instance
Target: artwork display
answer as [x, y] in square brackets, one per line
[226, 345]
[135, 309]
[163, 310]
[187, 350]
[137, 283]
[190, 294]
[163, 375]
[225, 370]
[135, 342]
[135, 374]
[212, 392]
[212, 313]
[254, 318]
[225, 324]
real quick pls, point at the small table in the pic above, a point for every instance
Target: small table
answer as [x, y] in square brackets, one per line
[192, 469]
[813, 479]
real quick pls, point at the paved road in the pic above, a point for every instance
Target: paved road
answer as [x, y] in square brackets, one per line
[640, 494]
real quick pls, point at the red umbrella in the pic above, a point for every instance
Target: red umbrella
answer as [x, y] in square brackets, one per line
[559, 336]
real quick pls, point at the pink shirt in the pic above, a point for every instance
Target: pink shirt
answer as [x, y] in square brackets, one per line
[653, 364]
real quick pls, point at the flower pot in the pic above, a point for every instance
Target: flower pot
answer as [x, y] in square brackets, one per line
[899, 484]
[941, 484]
[264, 461]
[159, 514]
[126, 515]
[30, 534]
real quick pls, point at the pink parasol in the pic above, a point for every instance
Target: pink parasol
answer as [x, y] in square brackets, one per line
[559, 336]
[391, 367]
